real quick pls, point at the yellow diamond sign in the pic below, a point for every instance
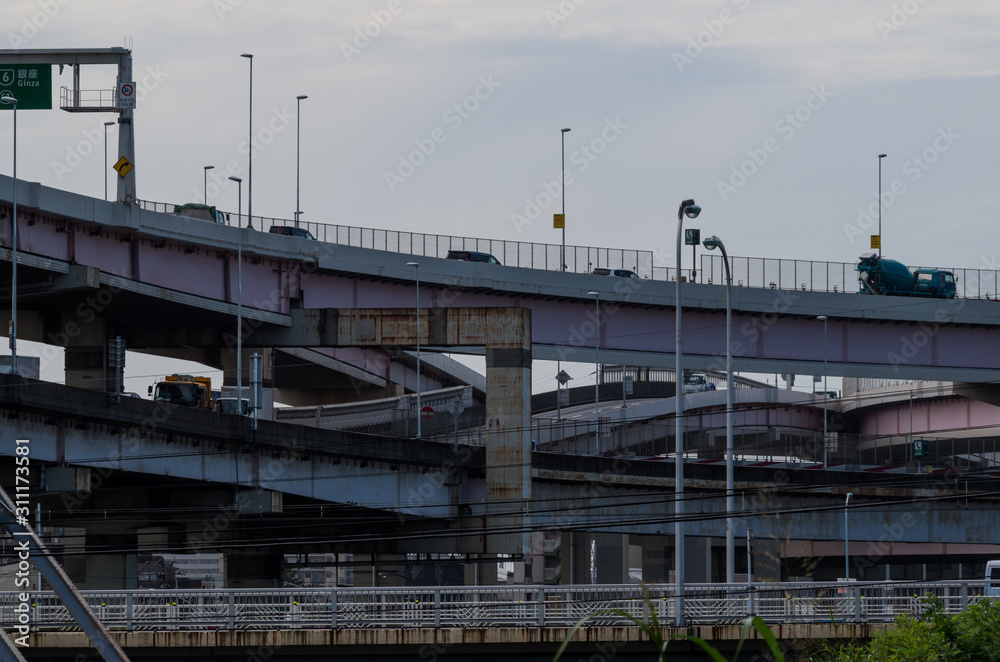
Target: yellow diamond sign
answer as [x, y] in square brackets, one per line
[123, 166]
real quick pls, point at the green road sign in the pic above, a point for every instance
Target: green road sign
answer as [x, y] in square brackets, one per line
[30, 84]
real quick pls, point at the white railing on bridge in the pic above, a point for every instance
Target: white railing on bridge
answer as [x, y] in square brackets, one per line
[759, 272]
[491, 606]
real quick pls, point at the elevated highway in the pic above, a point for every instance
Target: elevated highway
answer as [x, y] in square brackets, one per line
[186, 480]
[93, 270]
[136, 270]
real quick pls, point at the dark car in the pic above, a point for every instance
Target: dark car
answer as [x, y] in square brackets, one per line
[472, 256]
[291, 231]
[621, 273]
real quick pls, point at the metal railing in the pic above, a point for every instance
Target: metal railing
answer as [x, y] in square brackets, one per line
[491, 606]
[531, 255]
[760, 272]
[811, 276]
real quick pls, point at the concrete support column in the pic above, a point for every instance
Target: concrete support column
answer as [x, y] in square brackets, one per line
[508, 430]
[86, 358]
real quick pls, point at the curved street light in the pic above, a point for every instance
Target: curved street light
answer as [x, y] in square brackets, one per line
[106, 125]
[298, 142]
[691, 210]
[206, 169]
[249, 56]
[712, 243]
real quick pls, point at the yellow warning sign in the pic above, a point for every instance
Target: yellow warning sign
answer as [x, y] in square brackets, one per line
[559, 221]
[877, 241]
[123, 166]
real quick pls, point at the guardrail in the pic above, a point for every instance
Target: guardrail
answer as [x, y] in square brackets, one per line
[490, 606]
[774, 273]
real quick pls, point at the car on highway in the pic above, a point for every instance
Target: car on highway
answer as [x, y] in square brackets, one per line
[621, 273]
[697, 383]
[204, 212]
[472, 256]
[291, 231]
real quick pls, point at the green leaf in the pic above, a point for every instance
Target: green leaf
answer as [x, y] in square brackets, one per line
[772, 641]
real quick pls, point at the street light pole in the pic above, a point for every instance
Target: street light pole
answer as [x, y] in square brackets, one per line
[239, 296]
[691, 210]
[562, 257]
[298, 143]
[880, 157]
[207, 168]
[416, 269]
[825, 390]
[597, 371]
[712, 243]
[562, 172]
[847, 553]
[106, 125]
[250, 151]
[13, 277]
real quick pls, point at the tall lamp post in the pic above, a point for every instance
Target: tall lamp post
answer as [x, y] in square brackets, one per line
[880, 157]
[249, 56]
[562, 256]
[691, 210]
[106, 125]
[562, 174]
[825, 390]
[239, 296]
[847, 553]
[416, 270]
[206, 169]
[712, 243]
[298, 143]
[597, 371]
[13, 278]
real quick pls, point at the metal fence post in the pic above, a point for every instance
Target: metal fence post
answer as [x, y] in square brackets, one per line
[437, 607]
[128, 611]
[333, 609]
[232, 610]
[541, 607]
[857, 604]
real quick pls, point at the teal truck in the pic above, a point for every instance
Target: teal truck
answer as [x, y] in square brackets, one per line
[877, 275]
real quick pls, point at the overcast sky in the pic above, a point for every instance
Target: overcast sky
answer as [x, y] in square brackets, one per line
[444, 116]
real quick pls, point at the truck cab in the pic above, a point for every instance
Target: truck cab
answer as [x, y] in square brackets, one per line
[697, 382]
[934, 283]
[184, 390]
[992, 579]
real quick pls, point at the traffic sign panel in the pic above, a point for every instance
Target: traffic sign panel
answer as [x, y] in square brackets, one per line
[126, 95]
[427, 413]
[123, 166]
[30, 84]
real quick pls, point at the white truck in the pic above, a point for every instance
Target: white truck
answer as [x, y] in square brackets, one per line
[697, 382]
